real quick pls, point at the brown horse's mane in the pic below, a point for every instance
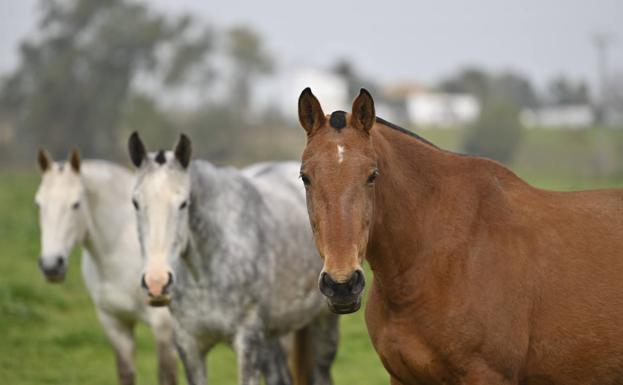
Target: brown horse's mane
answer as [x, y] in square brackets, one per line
[405, 131]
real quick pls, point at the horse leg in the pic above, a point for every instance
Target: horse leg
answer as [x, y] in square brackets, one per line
[274, 363]
[192, 356]
[325, 336]
[121, 337]
[248, 343]
[162, 328]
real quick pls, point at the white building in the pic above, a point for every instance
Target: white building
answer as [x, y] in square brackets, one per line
[441, 109]
[558, 117]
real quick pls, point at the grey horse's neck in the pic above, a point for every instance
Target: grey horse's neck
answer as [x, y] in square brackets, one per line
[228, 218]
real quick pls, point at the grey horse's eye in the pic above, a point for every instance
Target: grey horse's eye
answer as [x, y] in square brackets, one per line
[75, 206]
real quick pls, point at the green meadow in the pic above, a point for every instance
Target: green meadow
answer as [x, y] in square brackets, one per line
[49, 333]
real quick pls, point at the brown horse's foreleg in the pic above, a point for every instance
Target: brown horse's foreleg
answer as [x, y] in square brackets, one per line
[121, 336]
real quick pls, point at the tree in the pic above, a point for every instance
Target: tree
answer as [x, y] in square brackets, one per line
[354, 81]
[250, 59]
[470, 81]
[562, 91]
[496, 134]
[77, 75]
[510, 87]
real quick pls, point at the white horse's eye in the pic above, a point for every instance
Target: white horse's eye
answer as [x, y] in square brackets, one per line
[183, 205]
[135, 203]
[75, 206]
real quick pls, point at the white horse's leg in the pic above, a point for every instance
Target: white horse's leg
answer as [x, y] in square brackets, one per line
[121, 337]
[249, 341]
[325, 336]
[162, 328]
[193, 356]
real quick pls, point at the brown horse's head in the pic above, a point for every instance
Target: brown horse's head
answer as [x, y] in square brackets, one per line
[339, 169]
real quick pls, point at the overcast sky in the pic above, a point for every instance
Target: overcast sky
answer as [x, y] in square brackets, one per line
[396, 40]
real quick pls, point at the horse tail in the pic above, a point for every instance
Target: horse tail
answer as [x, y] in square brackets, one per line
[302, 357]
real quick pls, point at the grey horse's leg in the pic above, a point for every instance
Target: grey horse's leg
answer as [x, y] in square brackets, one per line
[274, 363]
[249, 342]
[162, 328]
[325, 336]
[121, 336]
[193, 357]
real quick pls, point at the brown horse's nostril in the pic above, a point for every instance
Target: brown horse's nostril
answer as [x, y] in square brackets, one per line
[357, 282]
[349, 289]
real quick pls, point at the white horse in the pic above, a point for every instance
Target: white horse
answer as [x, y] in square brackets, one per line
[89, 204]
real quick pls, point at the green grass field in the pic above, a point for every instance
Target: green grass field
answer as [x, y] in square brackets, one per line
[49, 333]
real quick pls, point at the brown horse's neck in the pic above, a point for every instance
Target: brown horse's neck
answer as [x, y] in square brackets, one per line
[426, 201]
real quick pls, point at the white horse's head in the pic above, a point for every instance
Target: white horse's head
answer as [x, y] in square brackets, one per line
[62, 215]
[161, 198]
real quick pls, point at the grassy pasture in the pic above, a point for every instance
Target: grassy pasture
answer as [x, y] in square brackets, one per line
[49, 333]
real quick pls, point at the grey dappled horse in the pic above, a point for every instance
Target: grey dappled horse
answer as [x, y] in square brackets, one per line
[231, 252]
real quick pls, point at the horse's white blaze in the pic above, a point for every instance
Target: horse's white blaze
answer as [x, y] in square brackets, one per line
[162, 222]
[340, 153]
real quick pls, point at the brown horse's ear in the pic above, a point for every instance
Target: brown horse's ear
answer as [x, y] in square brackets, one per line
[363, 115]
[183, 150]
[74, 160]
[137, 150]
[44, 160]
[310, 112]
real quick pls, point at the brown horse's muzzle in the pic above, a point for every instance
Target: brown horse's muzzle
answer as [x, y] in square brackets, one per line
[345, 297]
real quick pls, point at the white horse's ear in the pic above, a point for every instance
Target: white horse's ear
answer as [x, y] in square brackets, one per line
[74, 160]
[183, 150]
[44, 160]
[137, 150]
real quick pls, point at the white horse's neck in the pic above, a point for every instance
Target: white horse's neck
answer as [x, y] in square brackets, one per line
[108, 210]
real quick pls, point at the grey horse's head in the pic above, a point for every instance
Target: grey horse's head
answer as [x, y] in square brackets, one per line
[62, 215]
[161, 198]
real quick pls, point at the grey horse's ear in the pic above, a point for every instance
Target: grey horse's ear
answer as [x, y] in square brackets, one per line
[183, 150]
[74, 160]
[137, 150]
[311, 116]
[44, 160]
[363, 115]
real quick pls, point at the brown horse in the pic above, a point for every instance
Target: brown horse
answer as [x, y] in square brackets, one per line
[479, 278]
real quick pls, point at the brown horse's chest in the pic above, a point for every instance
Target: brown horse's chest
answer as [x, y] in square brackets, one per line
[403, 352]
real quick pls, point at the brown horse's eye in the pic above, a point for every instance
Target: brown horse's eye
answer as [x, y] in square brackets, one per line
[373, 176]
[305, 180]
